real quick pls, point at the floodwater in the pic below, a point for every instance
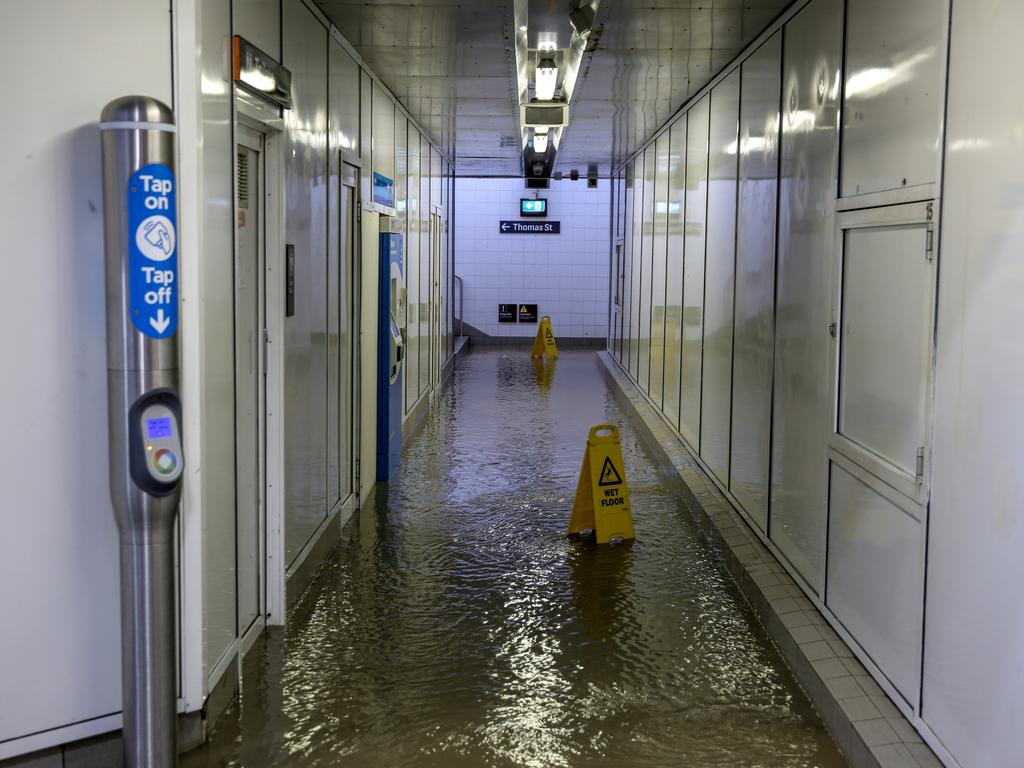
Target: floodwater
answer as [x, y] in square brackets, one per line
[460, 627]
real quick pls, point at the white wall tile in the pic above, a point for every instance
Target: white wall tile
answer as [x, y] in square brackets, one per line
[566, 275]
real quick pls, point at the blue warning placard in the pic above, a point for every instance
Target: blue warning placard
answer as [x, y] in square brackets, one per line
[153, 251]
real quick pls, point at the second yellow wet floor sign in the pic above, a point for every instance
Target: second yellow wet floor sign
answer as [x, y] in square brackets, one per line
[602, 496]
[544, 343]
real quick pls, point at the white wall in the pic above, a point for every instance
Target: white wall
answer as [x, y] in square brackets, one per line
[974, 635]
[566, 275]
[60, 642]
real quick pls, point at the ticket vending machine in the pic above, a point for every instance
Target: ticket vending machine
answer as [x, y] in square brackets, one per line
[390, 355]
[145, 426]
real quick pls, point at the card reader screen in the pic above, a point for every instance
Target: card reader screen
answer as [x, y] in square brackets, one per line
[158, 428]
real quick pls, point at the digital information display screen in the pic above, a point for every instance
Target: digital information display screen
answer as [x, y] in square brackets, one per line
[531, 207]
[158, 428]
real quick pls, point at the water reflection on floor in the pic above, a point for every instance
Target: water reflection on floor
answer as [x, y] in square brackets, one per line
[461, 628]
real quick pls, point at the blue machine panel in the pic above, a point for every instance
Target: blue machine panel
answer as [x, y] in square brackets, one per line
[390, 355]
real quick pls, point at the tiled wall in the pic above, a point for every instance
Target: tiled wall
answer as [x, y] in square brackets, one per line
[566, 274]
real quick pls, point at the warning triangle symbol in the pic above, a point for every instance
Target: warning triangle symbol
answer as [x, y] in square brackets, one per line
[547, 333]
[609, 475]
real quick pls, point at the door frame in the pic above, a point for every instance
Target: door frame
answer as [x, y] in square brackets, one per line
[271, 355]
[254, 140]
[345, 158]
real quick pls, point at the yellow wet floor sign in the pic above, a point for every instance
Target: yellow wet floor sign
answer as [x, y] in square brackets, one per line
[545, 341]
[602, 496]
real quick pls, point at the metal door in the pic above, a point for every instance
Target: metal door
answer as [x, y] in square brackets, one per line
[249, 377]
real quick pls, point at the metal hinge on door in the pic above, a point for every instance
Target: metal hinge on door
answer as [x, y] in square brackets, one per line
[920, 464]
[266, 342]
[929, 244]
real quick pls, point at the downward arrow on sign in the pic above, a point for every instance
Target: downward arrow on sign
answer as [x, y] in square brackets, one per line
[160, 322]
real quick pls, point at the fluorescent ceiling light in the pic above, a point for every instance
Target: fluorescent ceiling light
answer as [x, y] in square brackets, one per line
[546, 79]
[540, 143]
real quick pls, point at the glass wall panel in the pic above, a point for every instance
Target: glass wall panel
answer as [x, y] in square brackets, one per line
[646, 263]
[412, 271]
[693, 272]
[676, 204]
[658, 240]
[755, 278]
[802, 403]
[716, 386]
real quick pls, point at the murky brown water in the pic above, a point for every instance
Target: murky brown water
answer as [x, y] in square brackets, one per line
[461, 628]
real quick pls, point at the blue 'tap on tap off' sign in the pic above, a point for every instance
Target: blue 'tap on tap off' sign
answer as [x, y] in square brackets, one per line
[153, 251]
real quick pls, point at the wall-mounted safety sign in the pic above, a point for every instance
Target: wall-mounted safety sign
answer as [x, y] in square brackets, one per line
[601, 506]
[153, 251]
[507, 313]
[527, 313]
[544, 342]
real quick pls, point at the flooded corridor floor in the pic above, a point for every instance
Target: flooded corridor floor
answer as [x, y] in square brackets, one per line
[460, 627]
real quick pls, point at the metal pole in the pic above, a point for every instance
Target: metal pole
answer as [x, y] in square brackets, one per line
[146, 462]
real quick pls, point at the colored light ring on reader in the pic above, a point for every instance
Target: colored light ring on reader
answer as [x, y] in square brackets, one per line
[165, 462]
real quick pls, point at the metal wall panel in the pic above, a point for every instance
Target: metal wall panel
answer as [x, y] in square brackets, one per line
[674, 279]
[343, 132]
[755, 278]
[693, 273]
[802, 401]
[343, 92]
[383, 137]
[974, 636]
[646, 271]
[894, 83]
[344, 95]
[305, 54]
[401, 206]
[259, 22]
[636, 254]
[423, 313]
[617, 256]
[412, 271]
[719, 276]
[875, 577]
[366, 134]
[659, 223]
[628, 208]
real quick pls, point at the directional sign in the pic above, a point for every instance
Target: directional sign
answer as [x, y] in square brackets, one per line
[529, 227]
[153, 251]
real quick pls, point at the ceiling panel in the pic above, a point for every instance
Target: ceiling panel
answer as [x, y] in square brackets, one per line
[451, 63]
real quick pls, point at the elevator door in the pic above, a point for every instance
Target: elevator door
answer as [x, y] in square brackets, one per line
[249, 383]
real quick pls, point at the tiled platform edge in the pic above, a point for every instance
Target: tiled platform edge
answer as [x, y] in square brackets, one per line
[866, 725]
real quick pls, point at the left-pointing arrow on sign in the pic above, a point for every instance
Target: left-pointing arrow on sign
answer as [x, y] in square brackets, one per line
[504, 227]
[160, 322]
